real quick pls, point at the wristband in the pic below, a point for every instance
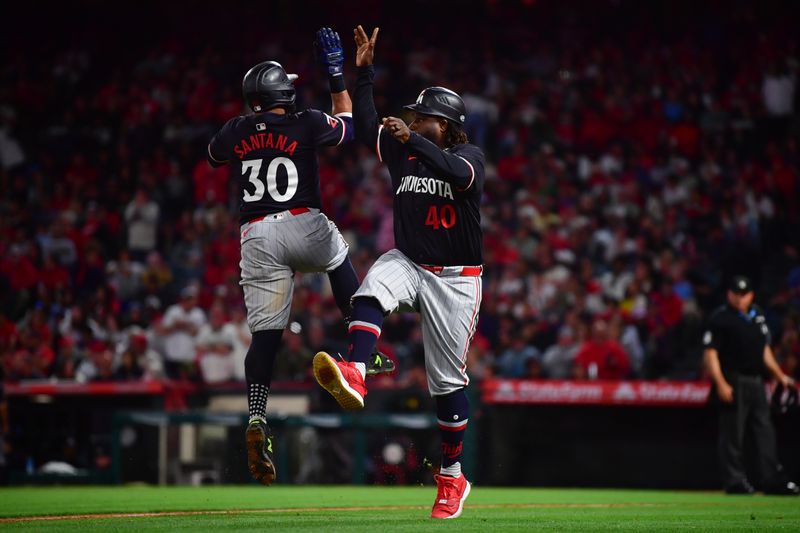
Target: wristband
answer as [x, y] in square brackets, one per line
[336, 83]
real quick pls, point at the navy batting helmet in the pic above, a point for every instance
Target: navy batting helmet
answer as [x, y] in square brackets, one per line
[440, 102]
[267, 85]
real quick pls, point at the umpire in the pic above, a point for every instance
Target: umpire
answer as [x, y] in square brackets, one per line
[737, 356]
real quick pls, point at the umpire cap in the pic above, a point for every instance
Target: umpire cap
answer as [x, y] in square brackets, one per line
[267, 86]
[440, 102]
[740, 285]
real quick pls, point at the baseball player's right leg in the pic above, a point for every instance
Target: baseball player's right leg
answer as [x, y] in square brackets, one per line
[449, 307]
[258, 365]
[452, 413]
[268, 288]
[388, 284]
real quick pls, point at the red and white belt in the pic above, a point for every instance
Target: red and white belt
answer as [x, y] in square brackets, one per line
[277, 216]
[454, 270]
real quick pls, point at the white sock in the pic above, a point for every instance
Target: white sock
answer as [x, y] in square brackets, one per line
[362, 367]
[453, 470]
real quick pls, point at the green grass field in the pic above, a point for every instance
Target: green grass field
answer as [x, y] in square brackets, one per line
[321, 509]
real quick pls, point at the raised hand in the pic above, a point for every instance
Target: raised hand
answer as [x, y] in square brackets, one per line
[329, 51]
[365, 46]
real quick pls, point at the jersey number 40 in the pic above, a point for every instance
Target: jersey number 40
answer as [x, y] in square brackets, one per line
[253, 168]
[444, 216]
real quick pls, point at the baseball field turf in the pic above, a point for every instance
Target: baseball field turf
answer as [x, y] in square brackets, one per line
[322, 509]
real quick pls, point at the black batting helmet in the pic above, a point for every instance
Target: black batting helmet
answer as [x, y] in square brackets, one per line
[440, 102]
[267, 85]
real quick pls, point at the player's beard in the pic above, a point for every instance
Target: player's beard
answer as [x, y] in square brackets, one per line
[431, 136]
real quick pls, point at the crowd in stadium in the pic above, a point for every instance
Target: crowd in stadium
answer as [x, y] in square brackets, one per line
[627, 178]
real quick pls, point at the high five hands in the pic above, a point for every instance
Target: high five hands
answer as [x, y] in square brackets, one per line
[365, 46]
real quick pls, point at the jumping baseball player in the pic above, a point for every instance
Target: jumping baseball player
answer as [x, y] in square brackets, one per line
[273, 152]
[437, 178]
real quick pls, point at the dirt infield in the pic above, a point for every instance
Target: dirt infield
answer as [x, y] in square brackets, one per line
[95, 516]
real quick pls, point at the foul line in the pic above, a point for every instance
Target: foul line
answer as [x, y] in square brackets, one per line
[98, 516]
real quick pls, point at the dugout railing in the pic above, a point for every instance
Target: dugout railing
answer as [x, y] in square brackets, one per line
[357, 429]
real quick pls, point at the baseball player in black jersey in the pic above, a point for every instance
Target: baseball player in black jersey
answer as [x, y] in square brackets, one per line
[437, 179]
[273, 154]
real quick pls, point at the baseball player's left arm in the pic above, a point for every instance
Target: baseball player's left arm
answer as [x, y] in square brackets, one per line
[216, 153]
[458, 170]
[365, 118]
[215, 160]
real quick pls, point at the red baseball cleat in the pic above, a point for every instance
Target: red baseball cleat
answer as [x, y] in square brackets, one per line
[450, 496]
[342, 379]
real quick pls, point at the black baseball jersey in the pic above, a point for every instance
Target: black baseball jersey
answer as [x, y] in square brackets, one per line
[739, 338]
[437, 192]
[275, 157]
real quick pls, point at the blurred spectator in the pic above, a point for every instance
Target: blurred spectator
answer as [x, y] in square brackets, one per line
[137, 358]
[514, 360]
[68, 360]
[98, 365]
[142, 216]
[125, 276]
[177, 333]
[129, 368]
[8, 334]
[778, 92]
[631, 343]
[59, 244]
[215, 345]
[79, 328]
[20, 271]
[11, 153]
[601, 357]
[559, 359]
[157, 276]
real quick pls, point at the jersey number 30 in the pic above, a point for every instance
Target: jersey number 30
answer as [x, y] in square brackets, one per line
[253, 167]
[444, 216]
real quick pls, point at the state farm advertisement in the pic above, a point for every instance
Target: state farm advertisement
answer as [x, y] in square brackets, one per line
[656, 393]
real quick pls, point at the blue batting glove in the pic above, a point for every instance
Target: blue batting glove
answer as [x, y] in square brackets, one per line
[329, 51]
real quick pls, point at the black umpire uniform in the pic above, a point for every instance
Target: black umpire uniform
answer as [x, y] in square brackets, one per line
[737, 356]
